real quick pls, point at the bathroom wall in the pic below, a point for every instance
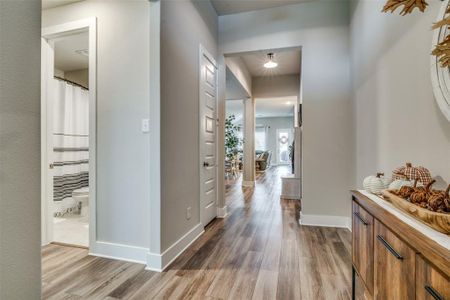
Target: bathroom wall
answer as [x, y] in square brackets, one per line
[78, 76]
[20, 161]
[397, 117]
[123, 98]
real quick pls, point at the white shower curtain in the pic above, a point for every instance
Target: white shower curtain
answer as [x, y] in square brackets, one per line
[70, 144]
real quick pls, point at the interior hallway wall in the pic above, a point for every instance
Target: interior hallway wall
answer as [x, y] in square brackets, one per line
[322, 29]
[185, 25]
[397, 117]
[20, 161]
[276, 86]
[123, 99]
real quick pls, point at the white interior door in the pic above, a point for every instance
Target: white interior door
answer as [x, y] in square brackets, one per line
[208, 131]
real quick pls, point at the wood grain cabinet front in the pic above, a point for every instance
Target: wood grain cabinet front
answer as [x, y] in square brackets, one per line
[362, 245]
[395, 264]
[430, 283]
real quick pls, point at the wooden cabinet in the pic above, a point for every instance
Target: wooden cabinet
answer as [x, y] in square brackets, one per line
[431, 284]
[394, 266]
[362, 245]
[393, 259]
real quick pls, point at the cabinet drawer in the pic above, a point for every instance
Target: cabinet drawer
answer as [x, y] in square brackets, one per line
[395, 264]
[362, 244]
[430, 283]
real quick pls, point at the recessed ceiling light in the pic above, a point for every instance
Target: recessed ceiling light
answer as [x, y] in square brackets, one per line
[270, 64]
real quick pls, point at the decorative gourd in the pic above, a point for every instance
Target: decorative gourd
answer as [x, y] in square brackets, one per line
[397, 184]
[437, 201]
[421, 195]
[375, 184]
[422, 174]
[406, 190]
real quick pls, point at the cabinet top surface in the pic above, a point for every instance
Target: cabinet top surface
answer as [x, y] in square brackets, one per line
[438, 237]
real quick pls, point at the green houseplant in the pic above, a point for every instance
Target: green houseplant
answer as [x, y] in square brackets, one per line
[232, 141]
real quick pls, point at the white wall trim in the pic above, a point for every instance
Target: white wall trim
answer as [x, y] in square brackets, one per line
[248, 183]
[159, 262]
[119, 252]
[222, 212]
[325, 221]
[154, 222]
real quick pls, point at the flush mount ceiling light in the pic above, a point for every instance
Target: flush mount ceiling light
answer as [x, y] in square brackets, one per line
[270, 64]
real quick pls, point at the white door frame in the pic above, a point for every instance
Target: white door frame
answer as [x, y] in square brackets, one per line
[50, 33]
[204, 52]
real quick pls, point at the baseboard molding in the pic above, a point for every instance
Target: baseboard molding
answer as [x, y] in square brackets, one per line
[159, 262]
[222, 212]
[325, 221]
[248, 183]
[119, 252]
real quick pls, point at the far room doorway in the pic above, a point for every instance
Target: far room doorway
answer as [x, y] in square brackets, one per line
[263, 118]
[68, 126]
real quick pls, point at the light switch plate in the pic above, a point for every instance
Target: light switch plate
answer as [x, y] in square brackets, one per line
[145, 126]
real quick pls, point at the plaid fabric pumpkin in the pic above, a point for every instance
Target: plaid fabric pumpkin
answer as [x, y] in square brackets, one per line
[409, 172]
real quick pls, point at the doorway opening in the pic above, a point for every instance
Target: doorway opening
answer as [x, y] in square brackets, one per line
[68, 126]
[263, 99]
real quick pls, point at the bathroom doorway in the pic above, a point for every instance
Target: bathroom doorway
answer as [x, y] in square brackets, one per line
[68, 121]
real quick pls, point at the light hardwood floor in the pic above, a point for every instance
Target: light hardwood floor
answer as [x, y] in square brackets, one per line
[258, 252]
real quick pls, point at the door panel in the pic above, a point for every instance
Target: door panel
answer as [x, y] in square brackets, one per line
[208, 144]
[430, 283]
[394, 266]
[362, 248]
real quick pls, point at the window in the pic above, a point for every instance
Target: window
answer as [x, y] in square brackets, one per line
[260, 138]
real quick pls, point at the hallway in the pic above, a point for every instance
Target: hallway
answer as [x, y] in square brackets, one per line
[258, 251]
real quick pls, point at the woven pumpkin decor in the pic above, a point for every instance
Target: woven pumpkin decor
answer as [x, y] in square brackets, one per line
[420, 174]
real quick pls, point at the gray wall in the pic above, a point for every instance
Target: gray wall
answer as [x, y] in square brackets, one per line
[322, 29]
[122, 101]
[276, 86]
[20, 204]
[184, 25]
[397, 118]
[274, 124]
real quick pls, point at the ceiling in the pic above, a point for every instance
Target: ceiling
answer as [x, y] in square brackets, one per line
[46, 4]
[227, 7]
[288, 63]
[66, 57]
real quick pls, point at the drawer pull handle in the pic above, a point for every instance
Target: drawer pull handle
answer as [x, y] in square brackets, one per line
[389, 247]
[360, 219]
[433, 293]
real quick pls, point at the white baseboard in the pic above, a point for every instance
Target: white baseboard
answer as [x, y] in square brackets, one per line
[158, 262]
[248, 183]
[222, 212]
[119, 252]
[325, 221]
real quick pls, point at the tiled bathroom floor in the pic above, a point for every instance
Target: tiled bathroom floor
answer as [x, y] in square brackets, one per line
[71, 229]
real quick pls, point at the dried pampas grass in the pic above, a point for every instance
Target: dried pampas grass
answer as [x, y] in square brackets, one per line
[408, 6]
